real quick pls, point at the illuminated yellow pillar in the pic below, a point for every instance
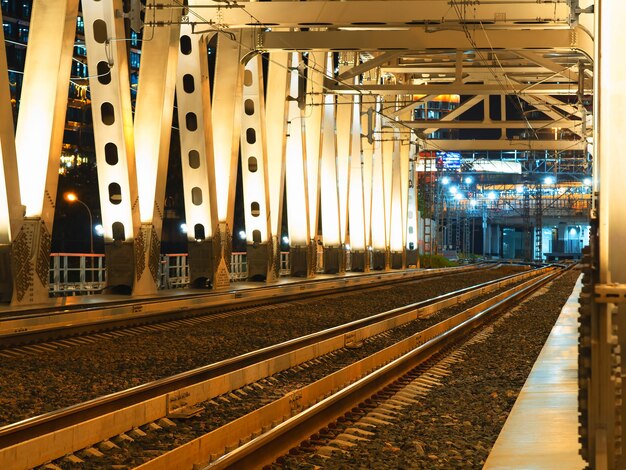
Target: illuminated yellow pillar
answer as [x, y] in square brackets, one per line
[301, 256]
[38, 141]
[378, 217]
[153, 121]
[276, 131]
[254, 173]
[396, 209]
[345, 104]
[227, 96]
[193, 98]
[331, 234]
[10, 207]
[368, 117]
[109, 87]
[313, 123]
[356, 210]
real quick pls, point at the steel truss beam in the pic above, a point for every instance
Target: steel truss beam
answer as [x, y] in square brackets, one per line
[503, 144]
[420, 39]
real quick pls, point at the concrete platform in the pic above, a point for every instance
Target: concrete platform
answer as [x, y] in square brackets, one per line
[542, 429]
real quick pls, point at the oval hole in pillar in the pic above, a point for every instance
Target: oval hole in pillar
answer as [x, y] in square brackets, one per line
[115, 193]
[191, 121]
[248, 107]
[196, 196]
[253, 165]
[255, 209]
[256, 236]
[247, 78]
[185, 44]
[118, 231]
[110, 153]
[250, 136]
[188, 83]
[108, 113]
[198, 232]
[194, 159]
[100, 31]
[104, 72]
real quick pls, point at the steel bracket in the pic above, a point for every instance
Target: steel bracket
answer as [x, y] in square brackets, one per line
[610, 293]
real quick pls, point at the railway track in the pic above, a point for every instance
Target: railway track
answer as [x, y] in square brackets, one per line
[42, 439]
[70, 322]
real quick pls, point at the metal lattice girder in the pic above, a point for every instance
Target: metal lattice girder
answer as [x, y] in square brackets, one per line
[433, 125]
[10, 206]
[420, 39]
[503, 144]
[39, 138]
[359, 14]
[115, 148]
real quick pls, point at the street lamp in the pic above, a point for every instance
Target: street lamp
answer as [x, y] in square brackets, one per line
[71, 197]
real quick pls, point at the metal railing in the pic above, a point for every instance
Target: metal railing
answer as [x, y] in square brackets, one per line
[84, 273]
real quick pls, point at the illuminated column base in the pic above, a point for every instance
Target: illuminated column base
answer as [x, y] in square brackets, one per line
[6, 277]
[359, 261]
[334, 258]
[273, 272]
[30, 265]
[412, 259]
[398, 259]
[147, 260]
[260, 261]
[223, 241]
[302, 260]
[201, 265]
[120, 265]
[380, 260]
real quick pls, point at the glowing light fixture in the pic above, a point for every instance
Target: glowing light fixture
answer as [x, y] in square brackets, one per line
[519, 189]
[548, 180]
[183, 228]
[71, 197]
[458, 196]
[492, 196]
[572, 232]
[445, 180]
[473, 202]
[469, 180]
[242, 234]
[99, 230]
[587, 181]
[454, 190]
[286, 239]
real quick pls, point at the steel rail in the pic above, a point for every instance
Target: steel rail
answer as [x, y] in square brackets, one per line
[67, 321]
[264, 449]
[50, 422]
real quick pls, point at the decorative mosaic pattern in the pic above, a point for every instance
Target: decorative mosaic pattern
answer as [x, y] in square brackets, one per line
[155, 250]
[43, 257]
[140, 254]
[22, 266]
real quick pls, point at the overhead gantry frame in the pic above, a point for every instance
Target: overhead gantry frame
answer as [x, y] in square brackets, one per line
[303, 126]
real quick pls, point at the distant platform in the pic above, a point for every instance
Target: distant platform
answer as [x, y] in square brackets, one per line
[541, 431]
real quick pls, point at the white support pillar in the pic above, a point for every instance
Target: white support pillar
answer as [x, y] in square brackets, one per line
[193, 98]
[301, 254]
[387, 149]
[606, 411]
[276, 131]
[313, 124]
[398, 205]
[356, 210]
[153, 122]
[109, 85]
[227, 96]
[345, 104]
[378, 220]
[331, 232]
[367, 114]
[38, 141]
[11, 216]
[412, 233]
[254, 172]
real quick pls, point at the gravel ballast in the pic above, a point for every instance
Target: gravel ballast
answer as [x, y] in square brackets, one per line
[32, 385]
[457, 423]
